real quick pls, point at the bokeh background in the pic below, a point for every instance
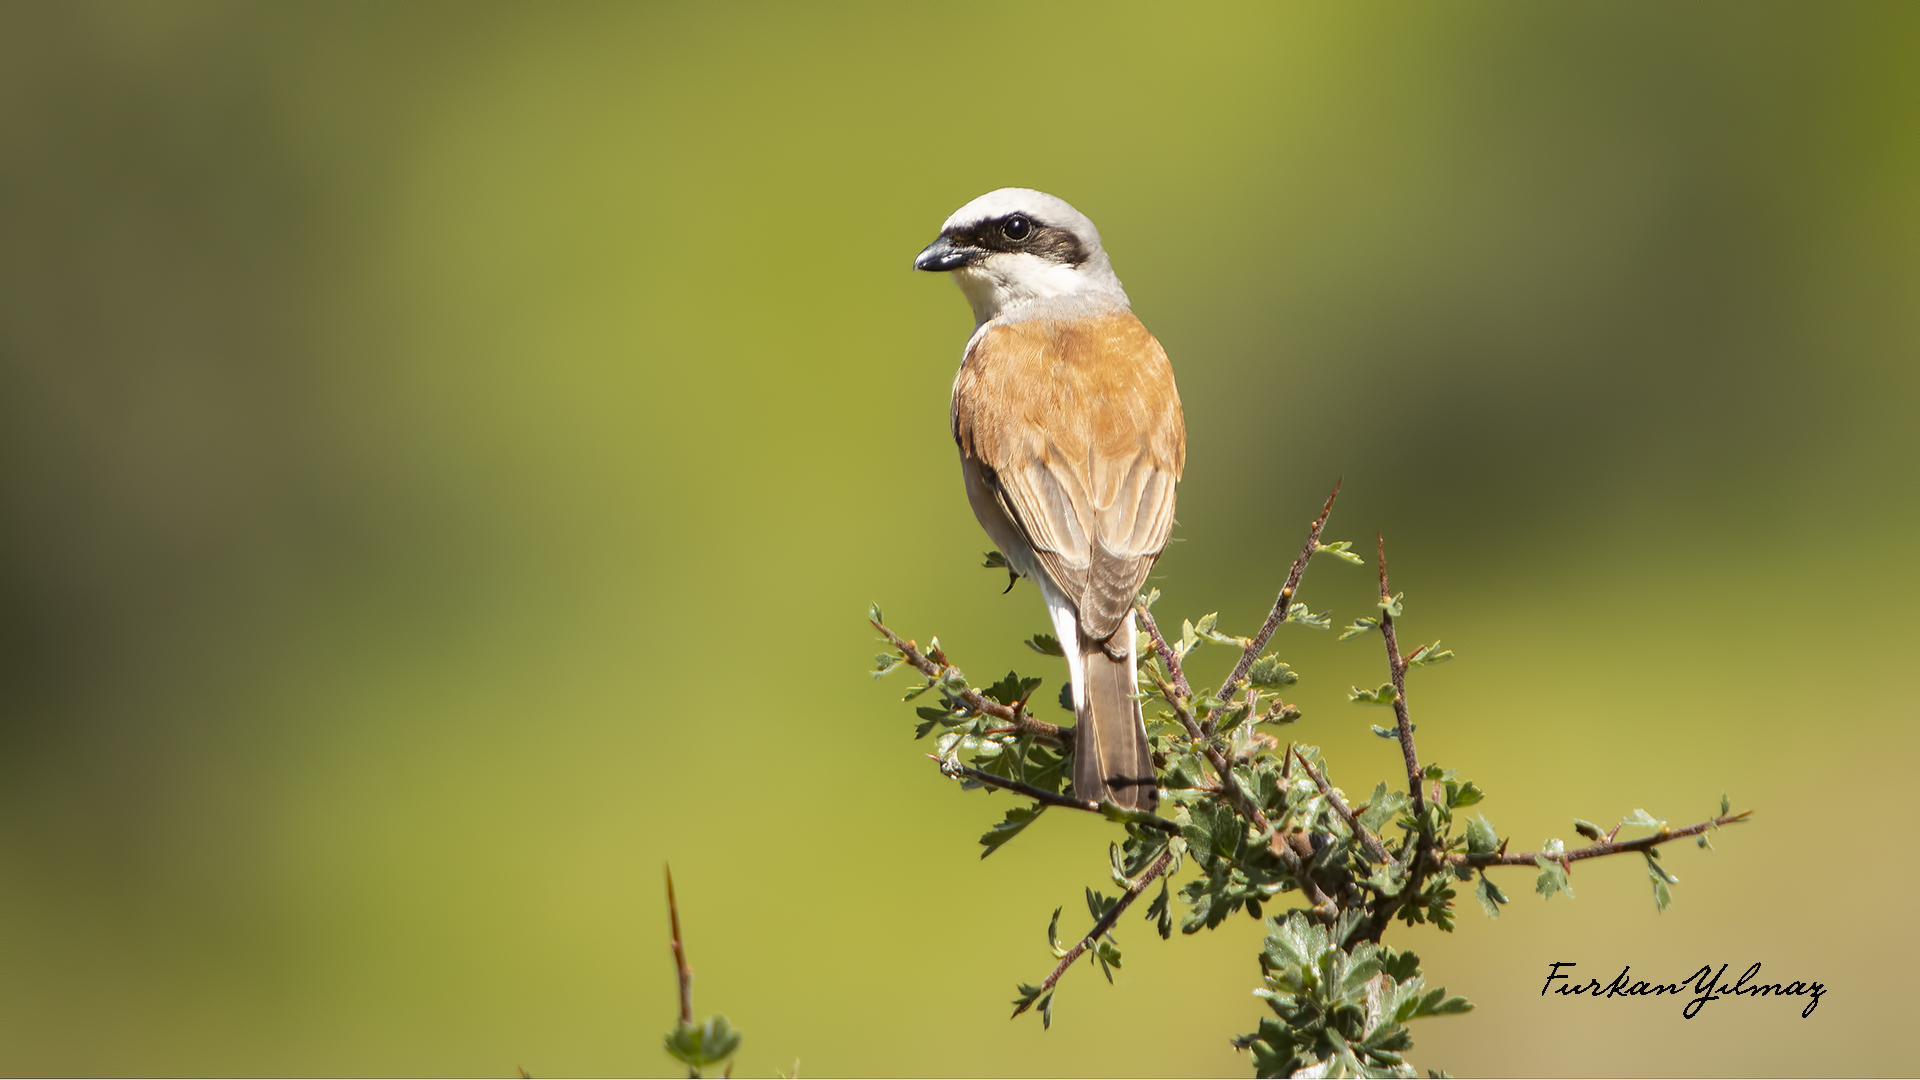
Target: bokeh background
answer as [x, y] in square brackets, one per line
[446, 454]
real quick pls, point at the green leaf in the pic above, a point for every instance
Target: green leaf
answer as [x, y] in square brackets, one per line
[1205, 628]
[1113, 811]
[1030, 995]
[1298, 613]
[1046, 645]
[1226, 719]
[1399, 965]
[995, 561]
[1148, 599]
[1017, 819]
[710, 1042]
[1662, 896]
[1640, 819]
[1053, 935]
[1392, 605]
[1383, 696]
[1553, 878]
[1437, 1003]
[1387, 879]
[1045, 769]
[1464, 795]
[1588, 829]
[1339, 549]
[1726, 805]
[1270, 674]
[1013, 689]
[1160, 912]
[1357, 627]
[1489, 895]
[1429, 654]
[1653, 864]
[1066, 696]
[1481, 839]
[1386, 732]
[1003, 759]
[1280, 713]
[931, 716]
[1383, 806]
[884, 663]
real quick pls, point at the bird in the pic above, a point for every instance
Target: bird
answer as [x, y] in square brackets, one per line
[1071, 444]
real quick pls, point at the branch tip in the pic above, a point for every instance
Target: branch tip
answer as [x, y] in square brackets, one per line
[679, 953]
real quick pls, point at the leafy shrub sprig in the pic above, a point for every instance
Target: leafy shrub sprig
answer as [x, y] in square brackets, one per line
[1259, 821]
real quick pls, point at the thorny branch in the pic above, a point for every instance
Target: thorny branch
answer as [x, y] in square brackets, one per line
[1281, 606]
[1105, 925]
[1594, 851]
[956, 770]
[1375, 849]
[936, 667]
[1422, 855]
[1182, 694]
[1398, 667]
[680, 955]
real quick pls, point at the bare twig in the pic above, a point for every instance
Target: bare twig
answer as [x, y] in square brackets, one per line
[1420, 852]
[957, 770]
[1105, 925]
[1595, 851]
[680, 955]
[1015, 715]
[1178, 677]
[1280, 606]
[1375, 849]
[1200, 730]
[1230, 788]
[1182, 707]
[1398, 667]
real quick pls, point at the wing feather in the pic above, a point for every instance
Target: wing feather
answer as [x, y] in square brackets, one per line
[1078, 426]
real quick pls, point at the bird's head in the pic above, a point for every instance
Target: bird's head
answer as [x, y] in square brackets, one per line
[1011, 247]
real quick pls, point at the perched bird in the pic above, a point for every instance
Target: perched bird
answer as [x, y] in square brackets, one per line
[1071, 441]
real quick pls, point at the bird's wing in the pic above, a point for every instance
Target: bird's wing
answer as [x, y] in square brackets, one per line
[1077, 425]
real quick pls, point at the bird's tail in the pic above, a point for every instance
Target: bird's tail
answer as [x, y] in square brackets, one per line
[1111, 757]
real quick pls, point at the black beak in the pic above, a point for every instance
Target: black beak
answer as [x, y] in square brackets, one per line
[943, 255]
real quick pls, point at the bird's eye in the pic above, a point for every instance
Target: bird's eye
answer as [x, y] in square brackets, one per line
[1016, 229]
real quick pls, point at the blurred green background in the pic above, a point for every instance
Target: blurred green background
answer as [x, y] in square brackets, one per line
[447, 453]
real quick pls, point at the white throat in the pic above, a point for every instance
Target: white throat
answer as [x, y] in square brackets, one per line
[1005, 282]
